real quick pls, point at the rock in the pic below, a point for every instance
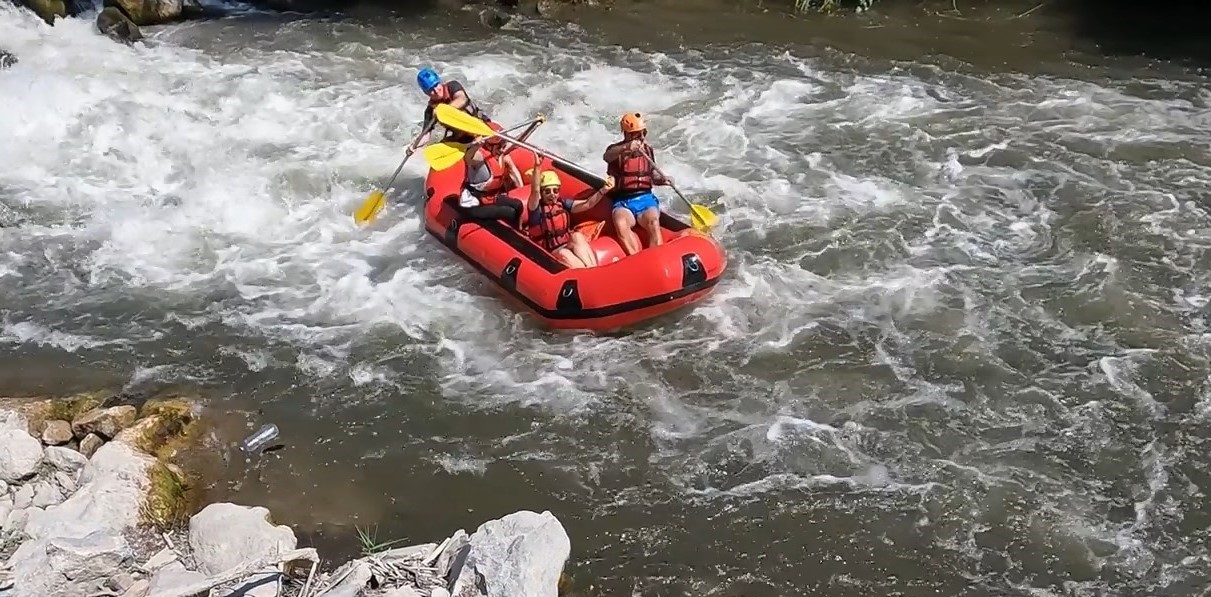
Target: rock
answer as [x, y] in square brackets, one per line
[3, 488]
[16, 521]
[224, 535]
[120, 582]
[65, 459]
[46, 494]
[18, 459]
[23, 497]
[162, 558]
[353, 583]
[439, 592]
[112, 490]
[66, 482]
[106, 422]
[148, 12]
[48, 9]
[7, 60]
[454, 555]
[520, 554]
[139, 589]
[62, 567]
[56, 433]
[92, 441]
[493, 18]
[171, 576]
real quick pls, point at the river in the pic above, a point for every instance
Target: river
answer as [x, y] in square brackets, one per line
[962, 347]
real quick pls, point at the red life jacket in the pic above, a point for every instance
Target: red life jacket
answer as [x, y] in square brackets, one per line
[554, 226]
[632, 171]
[495, 184]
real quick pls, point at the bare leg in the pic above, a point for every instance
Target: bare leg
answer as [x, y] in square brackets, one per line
[623, 222]
[568, 258]
[650, 220]
[580, 246]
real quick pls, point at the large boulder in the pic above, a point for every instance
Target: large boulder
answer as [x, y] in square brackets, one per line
[20, 455]
[156, 12]
[225, 535]
[112, 490]
[520, 554]
[48, 9]
[105, 422]
[68, 567]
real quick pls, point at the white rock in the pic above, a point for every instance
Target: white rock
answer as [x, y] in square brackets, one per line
[520, 554]
[439, 592]
[11, 419]
[46, 494]
[68, 567]
[18, 459]
[24, 496]
[172, 575]
[3, 487]
[112, 489]
[66, 482]
[223, 535]
[16, 521]
[65, 459]
[162, 558]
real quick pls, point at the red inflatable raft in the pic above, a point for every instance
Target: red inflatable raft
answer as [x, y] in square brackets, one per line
[620, 292]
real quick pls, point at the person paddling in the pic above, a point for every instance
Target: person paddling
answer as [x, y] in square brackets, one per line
[630, 163]
[489, 175]
[450, 92]
[550, 221]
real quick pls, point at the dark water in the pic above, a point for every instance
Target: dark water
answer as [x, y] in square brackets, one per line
[962, 348]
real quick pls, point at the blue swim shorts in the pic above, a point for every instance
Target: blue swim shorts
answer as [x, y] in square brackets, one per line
[639, 203]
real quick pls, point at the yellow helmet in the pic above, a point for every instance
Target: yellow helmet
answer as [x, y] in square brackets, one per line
[549, 179]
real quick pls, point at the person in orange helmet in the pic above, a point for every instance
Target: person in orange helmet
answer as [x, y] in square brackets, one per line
[631, 163]
[489, 176]
[550, 221]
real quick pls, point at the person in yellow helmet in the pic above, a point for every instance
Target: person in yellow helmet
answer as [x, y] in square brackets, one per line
[630, 162]
[550, 220]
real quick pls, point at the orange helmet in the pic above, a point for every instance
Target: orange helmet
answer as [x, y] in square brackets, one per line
[632, 122]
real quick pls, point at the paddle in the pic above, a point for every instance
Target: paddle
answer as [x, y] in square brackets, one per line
[375, 202]
[700, 217]
[699, 214]
[455, 118]
[447, 153]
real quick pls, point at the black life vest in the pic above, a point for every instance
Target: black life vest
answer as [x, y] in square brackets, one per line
[554, 227]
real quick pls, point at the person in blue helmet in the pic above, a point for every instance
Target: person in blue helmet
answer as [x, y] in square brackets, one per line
[450, 92]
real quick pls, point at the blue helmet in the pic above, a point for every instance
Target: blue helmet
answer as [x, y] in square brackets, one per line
[427, 79]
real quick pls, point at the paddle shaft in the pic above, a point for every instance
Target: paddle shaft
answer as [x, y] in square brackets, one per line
[555, 158]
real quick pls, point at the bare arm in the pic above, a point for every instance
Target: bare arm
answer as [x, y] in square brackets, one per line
[472, 157]
[459, 100]
[588, 202]
[612, 152]
[514, 175]
[535, 177]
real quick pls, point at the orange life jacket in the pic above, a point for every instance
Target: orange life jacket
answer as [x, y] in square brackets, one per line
[554, 226]
[496, 182]
[632, 171]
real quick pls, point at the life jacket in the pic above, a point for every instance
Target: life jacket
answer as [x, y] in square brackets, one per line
[471, 108]
[554, 226]
[487, 191]
[632, 171]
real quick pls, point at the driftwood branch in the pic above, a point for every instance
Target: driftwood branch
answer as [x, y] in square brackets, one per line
[241, 571]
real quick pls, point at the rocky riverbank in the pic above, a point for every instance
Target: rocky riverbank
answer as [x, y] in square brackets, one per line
[93, 502]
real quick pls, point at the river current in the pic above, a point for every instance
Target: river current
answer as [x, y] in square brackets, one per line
[962, 347]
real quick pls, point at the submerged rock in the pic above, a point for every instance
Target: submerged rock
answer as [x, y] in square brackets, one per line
[7, 59]
[113, 24]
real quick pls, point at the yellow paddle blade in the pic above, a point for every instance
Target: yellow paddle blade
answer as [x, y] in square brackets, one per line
[454, 118]
[370, 208]
[444, 155]
[702, 218]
